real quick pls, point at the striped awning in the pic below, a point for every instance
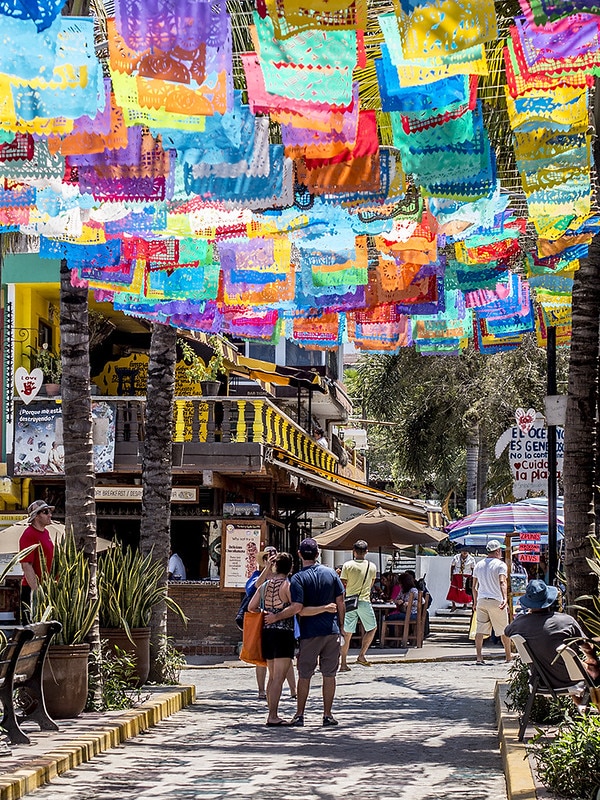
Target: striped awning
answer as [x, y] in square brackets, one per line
[265, 371]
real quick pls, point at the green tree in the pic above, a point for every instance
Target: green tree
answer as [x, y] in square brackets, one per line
[444, 407]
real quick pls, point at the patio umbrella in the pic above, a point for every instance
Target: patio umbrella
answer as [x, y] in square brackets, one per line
[9, 537]
[496, 522]
[379, 528]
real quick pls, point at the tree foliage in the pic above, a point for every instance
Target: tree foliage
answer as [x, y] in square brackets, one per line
[433, 402]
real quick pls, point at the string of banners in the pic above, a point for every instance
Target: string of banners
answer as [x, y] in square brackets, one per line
[350, 191]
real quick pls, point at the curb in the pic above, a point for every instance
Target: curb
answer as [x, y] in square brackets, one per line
[520, 783]
[41, 770]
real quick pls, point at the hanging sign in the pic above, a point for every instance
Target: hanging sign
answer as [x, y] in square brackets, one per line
[527, 444]
[28, 384]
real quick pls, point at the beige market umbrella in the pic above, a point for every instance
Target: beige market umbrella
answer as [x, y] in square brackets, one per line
[379, 528]
[9, 537]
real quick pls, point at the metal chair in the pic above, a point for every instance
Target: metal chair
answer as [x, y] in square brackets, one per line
[539, 681]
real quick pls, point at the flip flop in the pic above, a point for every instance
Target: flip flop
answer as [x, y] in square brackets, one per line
[279, 724]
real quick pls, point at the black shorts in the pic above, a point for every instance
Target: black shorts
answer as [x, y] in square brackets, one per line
[278, 643]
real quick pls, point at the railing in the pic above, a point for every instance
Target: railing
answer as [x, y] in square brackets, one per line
[226, 421]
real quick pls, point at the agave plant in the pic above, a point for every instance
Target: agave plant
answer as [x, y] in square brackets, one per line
[129, 588]
[63, 594]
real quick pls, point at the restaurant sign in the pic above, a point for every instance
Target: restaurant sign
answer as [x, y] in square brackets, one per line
[240, 554]
[133, 494]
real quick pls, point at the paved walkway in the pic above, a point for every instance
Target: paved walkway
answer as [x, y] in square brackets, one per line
[411, 731]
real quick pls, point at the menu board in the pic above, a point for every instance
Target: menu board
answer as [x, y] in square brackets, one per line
[240, 553]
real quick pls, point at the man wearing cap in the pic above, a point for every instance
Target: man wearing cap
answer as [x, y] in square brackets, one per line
[545, 629]
[358, 577]
[315, 585]
[40, 514]
[490, 598]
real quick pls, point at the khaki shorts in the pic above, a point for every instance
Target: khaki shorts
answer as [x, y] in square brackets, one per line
[325, 650]
[490, 615]
[364, 613]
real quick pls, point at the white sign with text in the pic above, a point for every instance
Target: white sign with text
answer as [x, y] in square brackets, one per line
[528, 455]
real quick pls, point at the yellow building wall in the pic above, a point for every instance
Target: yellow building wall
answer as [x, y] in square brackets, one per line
[29, 308]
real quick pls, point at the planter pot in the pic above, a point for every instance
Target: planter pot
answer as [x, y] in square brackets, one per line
[140, 648]
[52, 389]
[210, 388]
[65, 680]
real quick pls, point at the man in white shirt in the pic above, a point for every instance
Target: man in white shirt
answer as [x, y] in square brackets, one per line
[176, 568]
[490, 598]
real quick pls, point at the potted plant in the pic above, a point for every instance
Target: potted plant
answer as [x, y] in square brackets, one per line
[129, 588]
[63, 595]
[51, 366]
[206, 374]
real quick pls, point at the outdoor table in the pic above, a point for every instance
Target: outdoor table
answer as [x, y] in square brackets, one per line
[381, 609]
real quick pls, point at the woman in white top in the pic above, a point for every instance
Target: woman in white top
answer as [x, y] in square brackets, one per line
[461, 579]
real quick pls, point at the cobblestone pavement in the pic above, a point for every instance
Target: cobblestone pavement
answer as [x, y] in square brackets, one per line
[418, 731]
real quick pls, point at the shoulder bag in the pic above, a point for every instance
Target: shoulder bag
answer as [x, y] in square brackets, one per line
[351, 601]
[251, 651]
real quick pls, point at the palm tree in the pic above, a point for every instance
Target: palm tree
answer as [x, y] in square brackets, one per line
[446, 409]
[157, 470]
[580, 458]
[80, 476]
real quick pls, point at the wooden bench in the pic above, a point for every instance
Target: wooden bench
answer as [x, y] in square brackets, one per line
[21, 667]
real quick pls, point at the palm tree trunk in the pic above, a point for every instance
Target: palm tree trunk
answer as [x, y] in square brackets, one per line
[579, 471]
[472, 443]
[482, 473]
[157, 470]
[80, 476]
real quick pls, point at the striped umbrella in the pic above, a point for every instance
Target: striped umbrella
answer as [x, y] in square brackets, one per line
[496, 522]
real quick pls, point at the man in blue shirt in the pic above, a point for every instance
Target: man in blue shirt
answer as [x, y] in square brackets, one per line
[315, 585]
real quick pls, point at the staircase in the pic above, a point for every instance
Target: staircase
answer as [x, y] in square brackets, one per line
[448, 628]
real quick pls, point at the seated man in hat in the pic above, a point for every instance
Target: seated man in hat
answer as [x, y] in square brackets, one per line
[545, 629]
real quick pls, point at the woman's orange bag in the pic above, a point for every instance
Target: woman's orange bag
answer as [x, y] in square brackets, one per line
[252, 639]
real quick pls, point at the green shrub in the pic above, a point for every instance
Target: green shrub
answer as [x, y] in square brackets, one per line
[63, 594]
[569, 763]
[118, 676]
[169, 662]
[129, 586]
[544, 709]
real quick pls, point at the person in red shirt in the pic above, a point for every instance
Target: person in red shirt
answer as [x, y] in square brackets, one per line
[40, 514]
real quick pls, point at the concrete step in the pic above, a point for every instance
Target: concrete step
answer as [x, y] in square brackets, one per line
[448, 630]
[451, 622]
[458, 614]
[458, 641]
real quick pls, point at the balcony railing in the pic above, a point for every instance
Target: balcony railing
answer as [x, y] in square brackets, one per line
[230, 433]
[227, 422]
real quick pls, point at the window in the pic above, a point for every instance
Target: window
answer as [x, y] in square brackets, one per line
[44, 335]
[296, 356]
[264, 352]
